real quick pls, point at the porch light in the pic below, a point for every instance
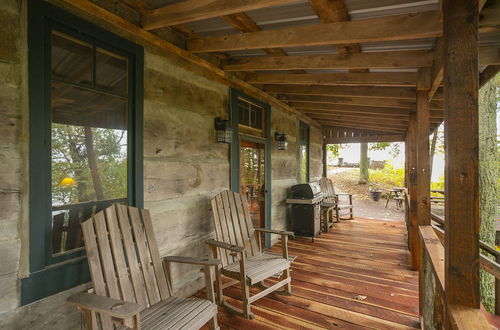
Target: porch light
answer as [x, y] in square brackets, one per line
[224, 132]
[282, 140]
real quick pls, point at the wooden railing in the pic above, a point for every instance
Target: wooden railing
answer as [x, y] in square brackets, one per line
[432, 238]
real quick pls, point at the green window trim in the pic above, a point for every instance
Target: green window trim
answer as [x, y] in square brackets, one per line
[235, 151]
[302, 125]
[49, 274]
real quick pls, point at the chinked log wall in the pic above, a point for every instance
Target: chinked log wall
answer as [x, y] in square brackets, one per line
[183, 166]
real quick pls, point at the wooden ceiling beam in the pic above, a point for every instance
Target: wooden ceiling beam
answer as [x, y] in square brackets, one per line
[363, 126]
[243, 23]
[403, 93]
[390, 28]
[305, 106]
[196, 10]
[357, 119]
[488, 73]
[369, 138]
[341, 78]
[362, 101]
[354, 115]
[383, 60]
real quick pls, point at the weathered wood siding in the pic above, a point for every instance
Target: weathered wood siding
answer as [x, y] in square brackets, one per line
[183, 166]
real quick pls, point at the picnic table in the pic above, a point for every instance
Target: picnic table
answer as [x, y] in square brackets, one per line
[396, 194]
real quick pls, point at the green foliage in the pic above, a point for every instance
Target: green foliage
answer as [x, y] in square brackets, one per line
[394, 150]
[334, 149]
[388, 176]
[70, 160]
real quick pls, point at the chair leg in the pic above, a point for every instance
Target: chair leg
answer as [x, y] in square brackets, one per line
[245, 296]
[337, 214]
[288, 286]
[212, 324]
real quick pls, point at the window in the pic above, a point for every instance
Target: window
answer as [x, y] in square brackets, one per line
[85, 140]
[251, 118]
[303, 152]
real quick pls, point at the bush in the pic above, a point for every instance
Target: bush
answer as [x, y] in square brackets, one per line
[388, 176]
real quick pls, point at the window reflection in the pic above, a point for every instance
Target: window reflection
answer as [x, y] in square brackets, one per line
[88, 136]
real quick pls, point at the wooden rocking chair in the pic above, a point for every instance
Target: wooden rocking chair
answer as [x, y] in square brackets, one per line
[238, 245]
[132, 289]
[332, 197]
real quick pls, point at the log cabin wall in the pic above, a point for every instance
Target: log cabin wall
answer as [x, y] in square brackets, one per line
[183, 165]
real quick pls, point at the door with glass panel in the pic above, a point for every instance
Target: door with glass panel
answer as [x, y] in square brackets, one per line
[252, 179]
[89, 100]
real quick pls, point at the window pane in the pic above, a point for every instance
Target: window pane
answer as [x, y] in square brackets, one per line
[111, 72]
[88, 153]
[71, 60]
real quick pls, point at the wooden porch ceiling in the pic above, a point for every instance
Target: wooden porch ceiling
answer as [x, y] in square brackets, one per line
[312, 56]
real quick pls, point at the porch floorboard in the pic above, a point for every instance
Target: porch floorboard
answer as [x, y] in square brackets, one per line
[354, 277]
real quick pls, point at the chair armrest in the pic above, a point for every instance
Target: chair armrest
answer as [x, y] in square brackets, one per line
[344, 194]
[193, 261]
[226, 246]
[273, 231]
[113, 307]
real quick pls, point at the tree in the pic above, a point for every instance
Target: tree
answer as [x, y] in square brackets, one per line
[363, 164]
[488, 180]
[95, 159]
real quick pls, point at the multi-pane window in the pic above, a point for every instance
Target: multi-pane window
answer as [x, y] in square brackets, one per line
[251, 118]
[303, 152]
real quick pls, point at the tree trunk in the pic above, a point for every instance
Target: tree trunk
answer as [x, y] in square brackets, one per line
[363, 164]
[91, 158]
[488, 178]
[433, 150]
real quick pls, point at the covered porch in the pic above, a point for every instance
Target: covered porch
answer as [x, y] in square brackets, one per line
[163, 104]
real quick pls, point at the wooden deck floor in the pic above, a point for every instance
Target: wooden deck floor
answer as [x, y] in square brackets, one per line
[354, 277]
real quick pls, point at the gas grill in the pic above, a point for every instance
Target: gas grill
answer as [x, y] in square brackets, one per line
[304, 211]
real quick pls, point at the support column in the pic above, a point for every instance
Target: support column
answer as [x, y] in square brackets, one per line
[460, 18]
[325, 165]
[423, 148]
[412, 190]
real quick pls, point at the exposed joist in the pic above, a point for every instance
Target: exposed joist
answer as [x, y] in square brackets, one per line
[361, 116]
[377, 128]
[362, 101]
[305, 106]
[403, 93]
[243, 23]
[370, 138]
[195, 10]
[489, 55]
[359, 120]
[391, 28]
[398, 59]
[351, 78]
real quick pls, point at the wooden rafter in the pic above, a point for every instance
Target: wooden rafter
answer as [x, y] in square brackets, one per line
[367, 101]
[362, 126]
[243, 23]
[351, 78]
[396, 59]
[349, 109]
[488, 73]
[405, 93]
[195, 10]
[400, 27]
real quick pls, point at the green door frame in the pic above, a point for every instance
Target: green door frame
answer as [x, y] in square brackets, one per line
[235, 152]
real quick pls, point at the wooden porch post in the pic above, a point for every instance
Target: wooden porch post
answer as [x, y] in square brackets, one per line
[461, 143]
[423, 151]
[412, 189]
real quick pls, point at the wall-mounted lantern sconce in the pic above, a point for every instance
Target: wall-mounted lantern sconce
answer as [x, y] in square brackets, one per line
[280, 137]
[224, 132]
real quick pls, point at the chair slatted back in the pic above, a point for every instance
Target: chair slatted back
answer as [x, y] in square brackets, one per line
[123, 256]
[328, 188]
[233, 224]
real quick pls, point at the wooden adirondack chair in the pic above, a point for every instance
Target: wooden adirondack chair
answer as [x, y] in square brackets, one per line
[132, 289]
[332, 197]
[238, 245]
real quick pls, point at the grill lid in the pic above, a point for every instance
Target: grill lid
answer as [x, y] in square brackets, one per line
[306, 190]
